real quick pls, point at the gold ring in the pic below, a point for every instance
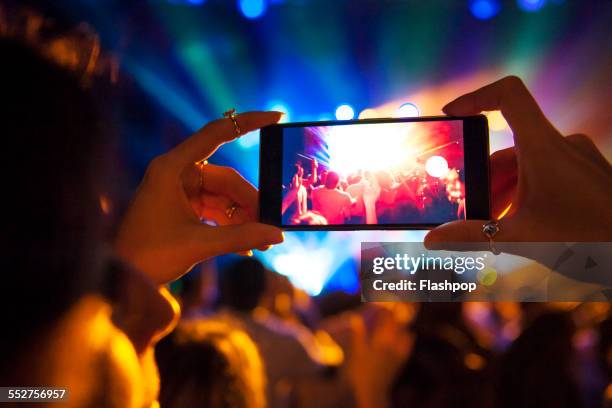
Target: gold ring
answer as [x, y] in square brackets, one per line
[231, 115]
[229, 211]
[201, 164]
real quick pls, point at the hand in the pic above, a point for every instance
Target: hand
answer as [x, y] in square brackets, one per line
[162, 234]
[560, 188]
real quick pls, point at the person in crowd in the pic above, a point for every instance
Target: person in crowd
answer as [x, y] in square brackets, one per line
[198, 290]
[332, 203]
[288, 349]
[295, 200]
[538, 369]
[356, 188]
[210, 364]
[91, 308]
[453, 368]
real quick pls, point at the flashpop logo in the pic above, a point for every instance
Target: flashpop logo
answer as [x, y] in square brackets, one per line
[412, 264]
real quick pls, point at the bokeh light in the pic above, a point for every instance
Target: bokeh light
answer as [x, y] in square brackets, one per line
[253, 8]
[368, 114]
[345, 112]
[280, 107]
[436, 166]
[485, 9]
[531, 5]
[407, 110]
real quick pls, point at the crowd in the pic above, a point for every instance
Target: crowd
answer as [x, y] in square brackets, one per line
[333, 350]
[410, 196]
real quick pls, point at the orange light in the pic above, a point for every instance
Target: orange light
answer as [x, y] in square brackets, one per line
[504, 212]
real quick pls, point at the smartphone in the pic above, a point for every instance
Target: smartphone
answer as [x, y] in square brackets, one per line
[396, 173]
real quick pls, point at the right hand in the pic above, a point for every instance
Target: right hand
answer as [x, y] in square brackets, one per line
[560, 188]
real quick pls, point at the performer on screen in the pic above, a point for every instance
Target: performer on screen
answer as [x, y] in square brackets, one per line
[295, 201]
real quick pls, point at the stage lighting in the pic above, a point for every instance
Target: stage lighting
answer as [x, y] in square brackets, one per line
[497, 122]
[436, 166]
[307, 269]
[279, 107]
[345, 112]
[484, 9]
[531, 5]
[253, 8]
[368, 114]
[407, 110]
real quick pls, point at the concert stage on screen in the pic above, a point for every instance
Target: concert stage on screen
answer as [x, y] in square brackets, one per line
[374, 173]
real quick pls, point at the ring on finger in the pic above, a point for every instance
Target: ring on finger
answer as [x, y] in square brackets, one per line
[231, 210]
[490, 229]
[231, 115]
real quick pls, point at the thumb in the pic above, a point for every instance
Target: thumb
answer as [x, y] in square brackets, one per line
[452, 234]
[239, 237]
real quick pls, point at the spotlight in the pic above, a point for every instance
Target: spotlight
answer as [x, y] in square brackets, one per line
[436, 166]
[407, 110]
[345, 112]
[252, 8]
[484, 9]
[368, 114]
[279, 107]
[531, 5]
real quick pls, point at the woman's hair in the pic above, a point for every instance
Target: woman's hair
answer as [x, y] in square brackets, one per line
[207, 363]
[54, 149]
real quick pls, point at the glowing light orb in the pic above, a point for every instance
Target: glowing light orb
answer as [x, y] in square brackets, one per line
[436, 166]
[345, 112]
[252, 8]
[280, 107]
[531, 5]
[368, 114]
[484, 9]
[407, 110]
[369, 147]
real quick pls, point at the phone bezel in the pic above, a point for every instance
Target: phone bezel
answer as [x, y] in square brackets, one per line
[476, 158]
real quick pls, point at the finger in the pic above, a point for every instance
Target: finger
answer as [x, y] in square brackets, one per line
[448, 235]
[265, 248]
[220, 216]
[503, 166]
[223, 204]
[237, 238]
[202, 144]
[228, 182]
[509, 95]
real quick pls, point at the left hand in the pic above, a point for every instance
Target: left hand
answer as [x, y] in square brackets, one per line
[162, 234]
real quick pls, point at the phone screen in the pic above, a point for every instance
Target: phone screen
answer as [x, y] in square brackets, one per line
[373, 174]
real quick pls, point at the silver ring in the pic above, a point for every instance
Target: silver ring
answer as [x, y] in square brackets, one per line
[231, 115]
[490, 229]
[229, 211]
